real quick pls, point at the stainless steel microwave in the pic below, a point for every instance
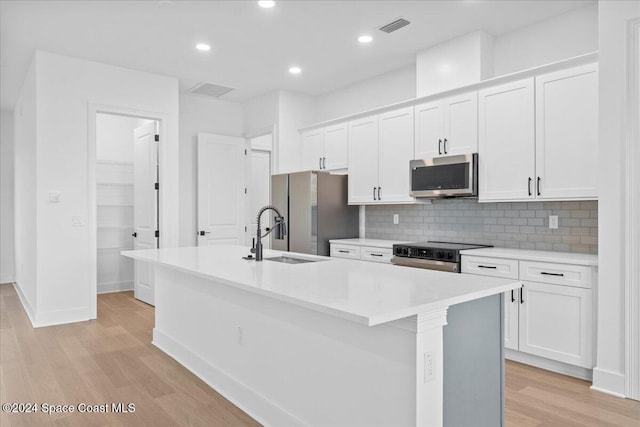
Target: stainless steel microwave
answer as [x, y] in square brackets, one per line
[442, 177]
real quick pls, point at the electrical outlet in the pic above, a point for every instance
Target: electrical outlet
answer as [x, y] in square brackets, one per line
[429, 367]
[553, 221]
[77, 220]
[54, 197]
[396, 219]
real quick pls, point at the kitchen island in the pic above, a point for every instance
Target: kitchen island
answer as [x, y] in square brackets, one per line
[333, 342]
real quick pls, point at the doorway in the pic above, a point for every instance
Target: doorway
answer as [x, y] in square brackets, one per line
[126, 201]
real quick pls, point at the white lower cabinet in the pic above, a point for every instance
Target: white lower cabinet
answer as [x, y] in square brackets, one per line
[550, 316]
[372, 250]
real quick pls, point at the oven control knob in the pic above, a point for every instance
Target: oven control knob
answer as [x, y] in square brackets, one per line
[398, 251]
[449, 255]
[405, 251]
[440, 255]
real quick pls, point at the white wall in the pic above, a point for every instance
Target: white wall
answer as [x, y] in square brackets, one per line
[295, 110]
[613, 40]
[25, 216]
[66, 90]
[200, 114]
[260, 114]
[114, 137]
[6, 197]
[385, 89]
[563, 36]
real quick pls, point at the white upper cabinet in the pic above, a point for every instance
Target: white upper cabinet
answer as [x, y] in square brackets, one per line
[395, 149]
[336, 140]
[325, 148]
[506, 146]
[447, 126]
[567, 133]
[311, 150]
[380, 148]
[363, 160]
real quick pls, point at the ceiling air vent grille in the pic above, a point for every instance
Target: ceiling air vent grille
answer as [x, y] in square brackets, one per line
[209, 89]
[395, 25]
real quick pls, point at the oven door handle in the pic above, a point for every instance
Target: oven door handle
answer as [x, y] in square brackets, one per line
[429, 264]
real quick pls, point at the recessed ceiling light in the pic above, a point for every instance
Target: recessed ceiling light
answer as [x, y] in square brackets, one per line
[365, 39]
[295, 70]
[267, 4]
[203, 47]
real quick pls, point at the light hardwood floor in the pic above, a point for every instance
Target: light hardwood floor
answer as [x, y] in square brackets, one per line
[111, 360]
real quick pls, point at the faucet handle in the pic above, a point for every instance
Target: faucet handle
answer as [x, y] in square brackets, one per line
[253, 245]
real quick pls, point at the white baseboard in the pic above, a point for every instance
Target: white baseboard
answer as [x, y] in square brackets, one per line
[256, 405]
[608, 382]
[26, 304]
[548, 364]
[60, 317]
[105, 288]
[6, 279]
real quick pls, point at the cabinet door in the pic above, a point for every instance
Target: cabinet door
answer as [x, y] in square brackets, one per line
[429, 130]
[395, 152]
[336, 147]
[363, 160]
[511, 303]
[461, 124]
[555, 322]
[567, 133]
[311, 150]
[506, 146]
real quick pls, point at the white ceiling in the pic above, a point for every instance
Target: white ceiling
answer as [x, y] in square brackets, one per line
[252, 47]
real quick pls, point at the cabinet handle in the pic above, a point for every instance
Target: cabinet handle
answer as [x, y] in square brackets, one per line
[552, 274]
[512, 298]
[135, 234]
[440, 146]
[538, 186]
[374, 193]
[529, 187]
[522, 295]
[376, 254]
[445, 146]
[319, 162]
[487, 266]
[379, 197]
[324, 163]
[343, 252]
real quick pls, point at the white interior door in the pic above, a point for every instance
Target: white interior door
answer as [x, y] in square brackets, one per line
[221, 182]
[145, 206]
[259, 178]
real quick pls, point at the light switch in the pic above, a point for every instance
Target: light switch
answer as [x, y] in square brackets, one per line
[54, 197]
[77, 220]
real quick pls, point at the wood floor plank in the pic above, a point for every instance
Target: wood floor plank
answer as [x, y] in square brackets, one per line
[111, 360]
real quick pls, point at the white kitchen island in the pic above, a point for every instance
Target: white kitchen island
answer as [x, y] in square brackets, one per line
[335, 342]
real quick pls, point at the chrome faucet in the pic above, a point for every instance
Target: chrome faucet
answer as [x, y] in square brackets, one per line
[280, 230]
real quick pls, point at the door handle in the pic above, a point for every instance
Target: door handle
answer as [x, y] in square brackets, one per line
[445, 146]
[538, 186]
[379, 197]
[529, 186]
[374, 193]
[202, 232]
[522, 295]
[440, 146]
[134, 234]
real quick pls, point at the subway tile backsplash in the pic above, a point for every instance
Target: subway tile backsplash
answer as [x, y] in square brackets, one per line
[522, 225]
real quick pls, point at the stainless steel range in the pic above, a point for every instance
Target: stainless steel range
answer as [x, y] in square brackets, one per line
[443, 256]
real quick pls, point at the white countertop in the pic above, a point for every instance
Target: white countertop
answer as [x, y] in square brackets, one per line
[533, 255]
[376, 243]
[364, 292]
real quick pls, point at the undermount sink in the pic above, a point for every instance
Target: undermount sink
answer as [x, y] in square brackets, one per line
[291, 260]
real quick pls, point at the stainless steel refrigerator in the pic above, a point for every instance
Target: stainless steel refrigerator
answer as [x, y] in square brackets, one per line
[315, 208]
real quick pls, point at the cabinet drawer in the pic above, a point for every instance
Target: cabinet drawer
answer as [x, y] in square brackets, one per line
[345, 251]
[495, 267]
[376, 254]
[559, 274]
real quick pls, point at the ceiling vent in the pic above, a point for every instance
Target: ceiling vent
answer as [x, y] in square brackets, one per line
[394, 26]
[209, 89]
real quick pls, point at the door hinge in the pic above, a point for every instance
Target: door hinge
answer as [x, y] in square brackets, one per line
[157, 233]
[156, 186]
[157, 138]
